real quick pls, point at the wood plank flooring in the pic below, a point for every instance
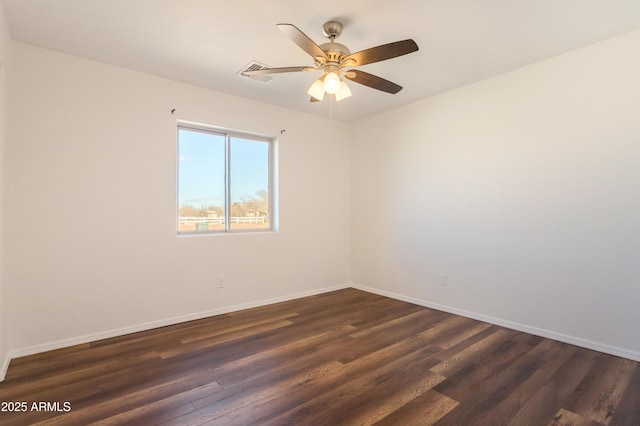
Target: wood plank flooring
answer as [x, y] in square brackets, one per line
[341, 358]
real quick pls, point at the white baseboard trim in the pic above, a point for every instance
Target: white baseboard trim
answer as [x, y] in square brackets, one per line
[31, 350]
[576, 341]
[5, 366]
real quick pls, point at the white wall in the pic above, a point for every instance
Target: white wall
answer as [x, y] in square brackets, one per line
[5, 42]
[91, 208]
[524, 188]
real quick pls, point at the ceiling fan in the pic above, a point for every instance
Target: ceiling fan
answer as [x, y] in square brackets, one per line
[331, 58]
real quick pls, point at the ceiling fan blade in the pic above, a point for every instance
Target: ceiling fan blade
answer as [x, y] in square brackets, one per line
[373, 81]
[264, 71]
[382, 53]
[312, 99]
[302, 40]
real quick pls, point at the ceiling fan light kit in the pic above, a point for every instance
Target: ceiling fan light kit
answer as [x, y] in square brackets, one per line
[332, 57]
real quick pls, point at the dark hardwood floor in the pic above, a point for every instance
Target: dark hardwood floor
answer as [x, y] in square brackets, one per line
[341, 358]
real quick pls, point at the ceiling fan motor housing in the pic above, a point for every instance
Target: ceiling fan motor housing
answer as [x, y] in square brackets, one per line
[335, 51]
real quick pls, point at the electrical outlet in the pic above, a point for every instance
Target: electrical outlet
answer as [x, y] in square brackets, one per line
[220, 282]
[444, 279]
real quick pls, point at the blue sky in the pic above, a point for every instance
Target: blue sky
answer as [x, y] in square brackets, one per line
[201, 168]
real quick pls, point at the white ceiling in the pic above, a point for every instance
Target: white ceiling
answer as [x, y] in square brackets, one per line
[206, 42]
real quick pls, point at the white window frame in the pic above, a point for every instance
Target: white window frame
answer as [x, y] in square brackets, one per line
[228, 135]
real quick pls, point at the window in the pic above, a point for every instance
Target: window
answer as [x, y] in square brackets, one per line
[224, 181]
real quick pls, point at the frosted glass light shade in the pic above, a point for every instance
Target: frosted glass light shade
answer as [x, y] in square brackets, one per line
[317, 90]
[344, 92]
[331, 83]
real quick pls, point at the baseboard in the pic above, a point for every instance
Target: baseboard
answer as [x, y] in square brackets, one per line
[600, 347]
[5, 367]
[31, 350]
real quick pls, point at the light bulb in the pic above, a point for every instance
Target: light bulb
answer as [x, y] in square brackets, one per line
[344, 92]
[317, 90]
[331, 83]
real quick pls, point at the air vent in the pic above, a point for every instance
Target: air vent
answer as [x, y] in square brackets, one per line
[254, 66]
